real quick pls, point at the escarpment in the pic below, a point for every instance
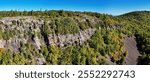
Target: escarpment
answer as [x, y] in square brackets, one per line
[28, 29]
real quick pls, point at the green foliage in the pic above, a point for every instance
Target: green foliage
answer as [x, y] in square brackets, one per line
[144, 59]
[8, 58]
[19, 60]
[105, 43]
[109, 43]
[5, 58]
[143, 44]
[55, 54]
[137, 23]
[66, 26]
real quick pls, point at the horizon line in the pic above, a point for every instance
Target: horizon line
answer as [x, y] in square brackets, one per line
[42, 10]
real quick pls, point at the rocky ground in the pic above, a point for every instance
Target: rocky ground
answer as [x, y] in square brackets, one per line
[133, 53]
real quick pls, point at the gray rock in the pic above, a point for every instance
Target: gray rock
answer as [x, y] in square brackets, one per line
[31, 25]
[69, 39]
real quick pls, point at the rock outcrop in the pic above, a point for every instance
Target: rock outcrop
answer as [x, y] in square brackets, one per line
[25, 29]
[17, 28]
[68, 39]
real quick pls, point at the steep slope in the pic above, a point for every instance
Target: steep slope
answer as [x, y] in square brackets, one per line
[131, 47]
[18, 32]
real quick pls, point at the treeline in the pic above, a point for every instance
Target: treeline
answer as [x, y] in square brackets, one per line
[30, 13]
[50, 13]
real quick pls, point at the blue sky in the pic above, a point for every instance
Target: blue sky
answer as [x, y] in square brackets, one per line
[114, 7]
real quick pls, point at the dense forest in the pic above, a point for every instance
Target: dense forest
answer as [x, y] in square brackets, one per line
[71, 38]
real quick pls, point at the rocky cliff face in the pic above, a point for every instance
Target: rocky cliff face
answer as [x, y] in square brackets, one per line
[24, 29]
[14, 30]
[68, 39]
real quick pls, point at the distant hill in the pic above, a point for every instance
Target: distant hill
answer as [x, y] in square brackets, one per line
[139, 15]
[136, 13]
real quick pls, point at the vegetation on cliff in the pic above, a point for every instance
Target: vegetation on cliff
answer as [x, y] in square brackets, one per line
[37, 37]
